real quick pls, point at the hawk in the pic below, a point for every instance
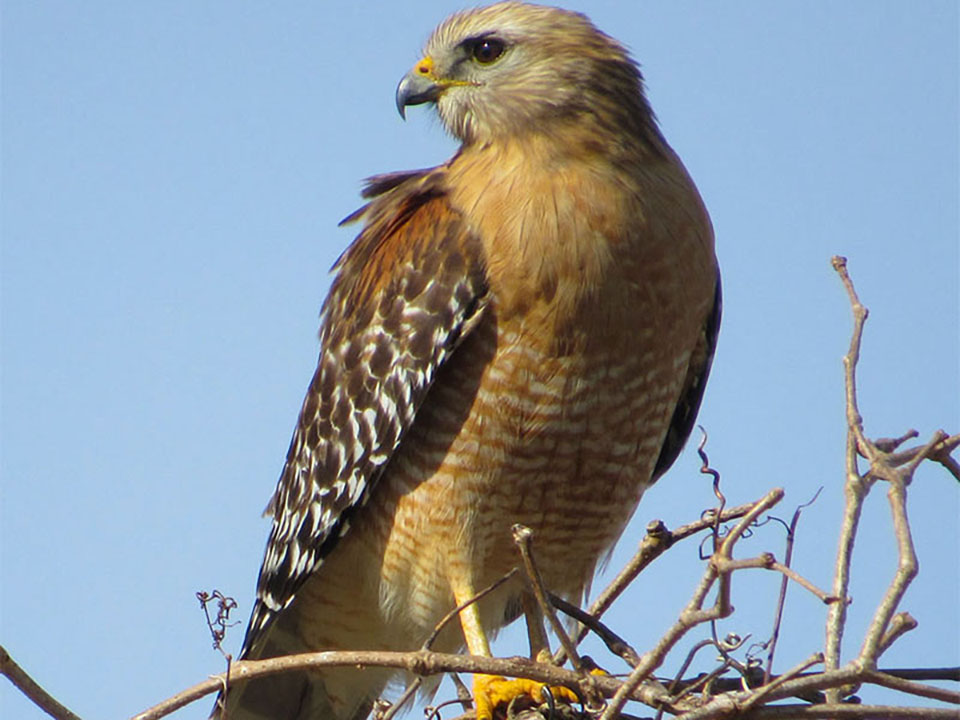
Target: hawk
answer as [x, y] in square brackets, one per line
[519, 335]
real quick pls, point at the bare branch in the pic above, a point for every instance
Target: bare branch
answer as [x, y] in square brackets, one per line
[693, 614]
[29, 687]
[657, 541]
[523, 537]
[855, 712]
[907, 568]
[615, 644]
[944, 673]
[420, 662]
[855, 487]
[913, 688]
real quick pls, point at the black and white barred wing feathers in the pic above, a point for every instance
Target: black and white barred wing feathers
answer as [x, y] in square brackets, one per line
[408, 289]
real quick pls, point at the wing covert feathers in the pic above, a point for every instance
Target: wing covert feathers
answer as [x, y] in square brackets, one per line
[405, 293]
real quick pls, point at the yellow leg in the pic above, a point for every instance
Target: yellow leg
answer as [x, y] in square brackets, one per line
[489, 691]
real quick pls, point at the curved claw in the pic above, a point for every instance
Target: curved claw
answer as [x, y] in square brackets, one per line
[489, 691]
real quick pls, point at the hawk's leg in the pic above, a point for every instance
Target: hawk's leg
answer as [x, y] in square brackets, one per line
[489, 691]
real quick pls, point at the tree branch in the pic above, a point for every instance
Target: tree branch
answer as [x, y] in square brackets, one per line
[29, 687]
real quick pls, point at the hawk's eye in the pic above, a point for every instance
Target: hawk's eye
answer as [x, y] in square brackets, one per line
[487, 50]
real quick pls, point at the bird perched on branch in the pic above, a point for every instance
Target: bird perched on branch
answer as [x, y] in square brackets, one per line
[519, 335]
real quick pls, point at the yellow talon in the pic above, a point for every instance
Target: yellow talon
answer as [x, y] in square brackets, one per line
[489, 691]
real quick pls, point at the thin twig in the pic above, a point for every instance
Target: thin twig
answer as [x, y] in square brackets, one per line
[658, 540]
[438, 628]
[693, 614]
[408, 693]
[523, 537]
[769, 687]
[705, 469]
[706, 642]
[456, 611]
[782, 597]
[615, 644]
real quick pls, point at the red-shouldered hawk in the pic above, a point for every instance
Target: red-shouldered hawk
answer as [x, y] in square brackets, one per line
[520, 335]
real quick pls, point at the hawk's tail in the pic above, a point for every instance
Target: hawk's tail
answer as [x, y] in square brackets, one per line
[331, 694]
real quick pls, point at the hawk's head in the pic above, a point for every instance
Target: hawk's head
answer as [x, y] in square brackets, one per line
[512, 68]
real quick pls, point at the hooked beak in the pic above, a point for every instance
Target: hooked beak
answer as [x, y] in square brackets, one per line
[418, 86]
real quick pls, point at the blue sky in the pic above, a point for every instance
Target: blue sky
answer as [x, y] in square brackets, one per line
[172, 177]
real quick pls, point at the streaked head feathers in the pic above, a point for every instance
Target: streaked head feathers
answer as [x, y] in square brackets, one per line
[513, 67]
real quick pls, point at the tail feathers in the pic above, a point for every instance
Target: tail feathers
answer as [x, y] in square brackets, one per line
[287, 696]
[335, 694]
[303, 695]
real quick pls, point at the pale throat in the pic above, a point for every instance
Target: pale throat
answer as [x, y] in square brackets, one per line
[543, 222]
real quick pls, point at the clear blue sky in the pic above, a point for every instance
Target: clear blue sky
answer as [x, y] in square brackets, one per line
[173, 174]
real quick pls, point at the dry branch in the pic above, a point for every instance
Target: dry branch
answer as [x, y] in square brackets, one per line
[29, 687]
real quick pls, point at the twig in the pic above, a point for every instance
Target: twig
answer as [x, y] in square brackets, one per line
[949, 674]
[766, 561]
[404, 698]
[218, 627]
[705, 681]
[769, 687]
[438, 628]
[456, 611]
[658, 540]
[432, 712]
[782, 597]
[900, 624]
[693, 614]
[855, 487]
[852, 358]
[29, 687]
[942, 456]
[705, 469]
[943, 673]
[849, 675]
[218, 631]
[841, 710]
[907, 568]
[523, 537]
[615, 644]
[913, 688]
[688, 660]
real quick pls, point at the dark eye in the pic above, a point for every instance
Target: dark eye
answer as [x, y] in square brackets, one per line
[487, 50]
